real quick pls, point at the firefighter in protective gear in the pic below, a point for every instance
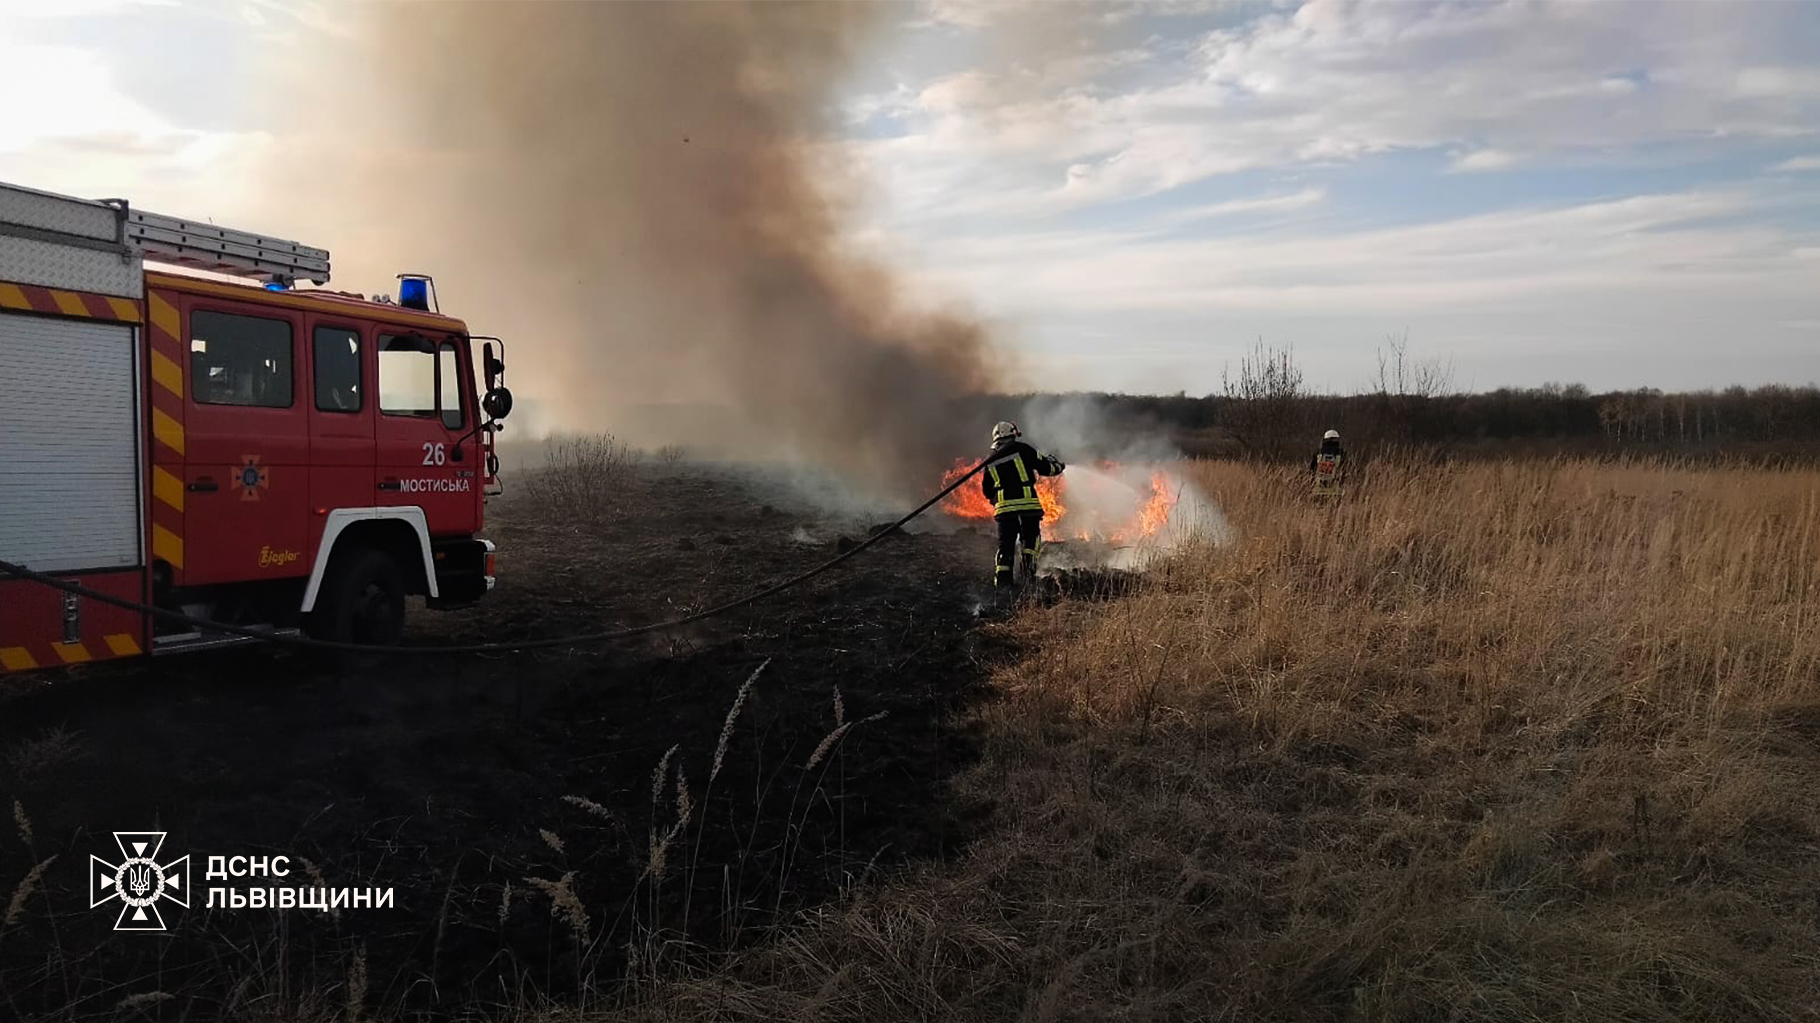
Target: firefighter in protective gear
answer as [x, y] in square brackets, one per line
[1009, 482]
[1328, 466]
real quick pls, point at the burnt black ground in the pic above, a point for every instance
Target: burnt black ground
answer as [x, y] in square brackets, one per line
[436, 776]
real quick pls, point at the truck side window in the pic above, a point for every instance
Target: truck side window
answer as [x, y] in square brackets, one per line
[338, 370]
[448, 372]
[407, 375]
[240, 360]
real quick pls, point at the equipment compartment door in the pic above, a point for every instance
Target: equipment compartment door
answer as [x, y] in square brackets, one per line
[426, 457]
[69, 444]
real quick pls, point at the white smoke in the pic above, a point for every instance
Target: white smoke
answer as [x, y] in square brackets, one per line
[1115, 470]
[1079, 429]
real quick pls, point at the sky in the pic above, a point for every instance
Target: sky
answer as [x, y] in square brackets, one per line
[1612, 193]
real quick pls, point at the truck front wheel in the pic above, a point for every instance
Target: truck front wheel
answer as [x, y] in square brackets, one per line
[362, 600]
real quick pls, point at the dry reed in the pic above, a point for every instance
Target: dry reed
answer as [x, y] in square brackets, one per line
[15, 909]
[315, 874]
[726, 728]
[1502, 741]
[661, 773]
[590, 806]
[565, 904]
[357, 985]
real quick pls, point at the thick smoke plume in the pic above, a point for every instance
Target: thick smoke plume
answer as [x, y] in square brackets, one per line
[644, 199]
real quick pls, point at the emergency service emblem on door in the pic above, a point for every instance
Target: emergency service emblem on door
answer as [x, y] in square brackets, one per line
[252, 479]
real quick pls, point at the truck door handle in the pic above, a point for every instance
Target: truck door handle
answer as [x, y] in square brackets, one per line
[203, 485]
[391, 485]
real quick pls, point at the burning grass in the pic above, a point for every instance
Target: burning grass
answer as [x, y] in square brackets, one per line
[1507, 742]
[1109, 503]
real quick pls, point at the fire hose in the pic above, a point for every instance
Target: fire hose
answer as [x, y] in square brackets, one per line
[7, 568]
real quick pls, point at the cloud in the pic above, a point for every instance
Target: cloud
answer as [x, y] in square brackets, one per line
[87, 133]
[73, 8]
[1263, 204]
[1531, 255]
[1778, 82]
[1678, 288]
[85, 101]
[964, 14]
[1327, 83]
[1483, 160]
[1799, 163]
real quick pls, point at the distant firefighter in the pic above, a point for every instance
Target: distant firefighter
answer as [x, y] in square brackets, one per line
[1328, 466]
[1009, 483]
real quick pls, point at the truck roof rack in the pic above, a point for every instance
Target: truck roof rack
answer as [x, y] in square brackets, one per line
[224, 250]
[115, 227]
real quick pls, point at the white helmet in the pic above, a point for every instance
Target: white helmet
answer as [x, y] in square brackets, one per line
[1331, 435]
[1005, 431]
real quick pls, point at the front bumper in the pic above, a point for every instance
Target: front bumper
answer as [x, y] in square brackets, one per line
[464, 571]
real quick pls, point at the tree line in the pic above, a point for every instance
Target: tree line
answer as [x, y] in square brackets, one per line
[1265, 410]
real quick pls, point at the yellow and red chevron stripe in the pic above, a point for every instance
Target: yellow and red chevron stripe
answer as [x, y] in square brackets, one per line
[31, 298]
[166, 359]
[53, 655]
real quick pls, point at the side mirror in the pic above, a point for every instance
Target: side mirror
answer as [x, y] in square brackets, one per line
[498, 403]
[491, 366]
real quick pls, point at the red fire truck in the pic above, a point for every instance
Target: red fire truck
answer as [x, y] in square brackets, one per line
[227, 445]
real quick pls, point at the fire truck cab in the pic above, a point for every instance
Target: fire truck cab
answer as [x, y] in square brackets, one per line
[233, 447]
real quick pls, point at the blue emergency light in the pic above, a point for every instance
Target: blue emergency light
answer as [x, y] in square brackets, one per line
[275, 286]
[414, 291]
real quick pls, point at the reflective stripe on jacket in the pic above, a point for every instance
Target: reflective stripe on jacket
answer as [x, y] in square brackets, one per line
[1010, 478]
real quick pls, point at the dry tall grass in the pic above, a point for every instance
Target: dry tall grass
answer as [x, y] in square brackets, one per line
[580, 478]
[1501, 742]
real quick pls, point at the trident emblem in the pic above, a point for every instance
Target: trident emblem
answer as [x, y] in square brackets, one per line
[139, 881]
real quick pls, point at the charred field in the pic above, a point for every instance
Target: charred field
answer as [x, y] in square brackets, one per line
[685, 791]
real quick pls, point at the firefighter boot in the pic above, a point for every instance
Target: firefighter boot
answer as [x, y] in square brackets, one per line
[1032, 541]
[1001, 574]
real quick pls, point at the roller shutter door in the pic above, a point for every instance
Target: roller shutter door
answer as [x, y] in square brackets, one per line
[69, 441]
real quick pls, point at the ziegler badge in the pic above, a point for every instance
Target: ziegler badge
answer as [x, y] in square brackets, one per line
[251, 478]
[139, 881]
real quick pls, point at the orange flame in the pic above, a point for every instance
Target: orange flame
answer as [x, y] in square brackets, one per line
[1153, 517]
[967, 502]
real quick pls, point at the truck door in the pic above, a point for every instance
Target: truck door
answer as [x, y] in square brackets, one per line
[246, 455]
[424, 459]
[342, 414]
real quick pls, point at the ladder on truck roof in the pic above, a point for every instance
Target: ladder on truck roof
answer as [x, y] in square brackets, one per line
[45, 217]
[223, 250]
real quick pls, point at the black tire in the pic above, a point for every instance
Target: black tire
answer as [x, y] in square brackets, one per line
[362, 600]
